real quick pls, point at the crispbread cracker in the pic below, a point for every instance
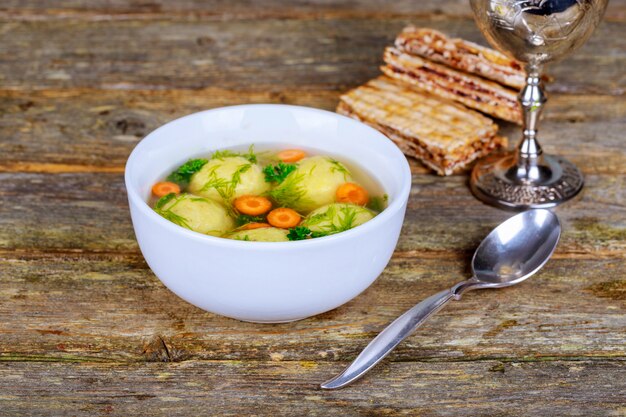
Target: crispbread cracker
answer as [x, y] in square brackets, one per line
[444, 135]
[462, 55]
[474, 92]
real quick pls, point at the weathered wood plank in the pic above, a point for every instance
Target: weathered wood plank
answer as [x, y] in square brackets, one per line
[228, 10]
[98, 129]
[88, 212]
[224, 9]
[287, 389]
[95, 130]
[112, 308]
[260, 55]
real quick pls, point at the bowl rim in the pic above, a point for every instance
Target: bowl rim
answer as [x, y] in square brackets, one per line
[392, 209]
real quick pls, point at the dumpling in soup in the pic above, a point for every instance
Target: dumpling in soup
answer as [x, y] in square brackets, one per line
[337, 217]
[267, 234]
[226, 178]
[312, 184]
[199, 214]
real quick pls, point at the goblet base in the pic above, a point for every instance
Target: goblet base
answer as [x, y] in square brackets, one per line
[497, 181]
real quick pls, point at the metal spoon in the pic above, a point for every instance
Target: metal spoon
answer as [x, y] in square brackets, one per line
[512, 252]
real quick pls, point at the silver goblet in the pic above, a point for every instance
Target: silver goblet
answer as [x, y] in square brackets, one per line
[534, 32]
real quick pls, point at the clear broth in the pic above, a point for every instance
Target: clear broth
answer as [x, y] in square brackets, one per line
[266, 155]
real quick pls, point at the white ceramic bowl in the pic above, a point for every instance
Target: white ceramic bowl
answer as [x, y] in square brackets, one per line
[266, 281]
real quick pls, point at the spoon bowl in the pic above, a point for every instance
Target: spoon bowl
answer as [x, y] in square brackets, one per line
[517, 248]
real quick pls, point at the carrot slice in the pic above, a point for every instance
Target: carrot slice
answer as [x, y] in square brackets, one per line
[352, 193]
[283, 218]
[291, 155]
[252, 205]
[251, 226]
[164, 188]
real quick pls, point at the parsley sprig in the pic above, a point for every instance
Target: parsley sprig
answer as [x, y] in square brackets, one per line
[183, 174]
[302, 233]
[278, 173]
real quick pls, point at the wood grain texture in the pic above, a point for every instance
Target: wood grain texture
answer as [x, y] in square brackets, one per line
[87, 329]
[95, 130]
[258, 55]
[225, 9]
[289, 388]
[112, 308]
[87, 212]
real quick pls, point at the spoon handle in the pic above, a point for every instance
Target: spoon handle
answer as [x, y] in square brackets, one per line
[389, 338]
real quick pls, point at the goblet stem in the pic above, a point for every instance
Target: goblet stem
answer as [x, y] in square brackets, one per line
[526, 178]
[529, 154]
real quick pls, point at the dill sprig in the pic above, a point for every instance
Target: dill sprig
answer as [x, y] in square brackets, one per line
[168, 213]
[334, 220]
[250, 155]
[164, 200]
[224, 187]
[290, 192]
[338, 167]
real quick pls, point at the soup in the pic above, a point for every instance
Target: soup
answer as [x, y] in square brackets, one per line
[269, 195]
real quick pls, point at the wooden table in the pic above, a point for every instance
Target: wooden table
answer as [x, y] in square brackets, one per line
[87, 329]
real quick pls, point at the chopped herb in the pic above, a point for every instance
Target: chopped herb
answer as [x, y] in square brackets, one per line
[245, 219]
[335, 219]
[302, 233]
[339, 167]
[278, 173]
[164, 200]
[224, 187]
[290, 192]
[223, 154]
[175, 218]
[250, 155]
[377, 203]
[299, 233]
[184, 172]
[169, 214]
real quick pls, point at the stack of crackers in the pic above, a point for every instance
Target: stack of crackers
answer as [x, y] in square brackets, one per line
[431, 100]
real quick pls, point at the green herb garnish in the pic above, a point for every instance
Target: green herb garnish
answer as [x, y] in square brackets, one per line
[302, 233]
[184, 172]
[278, 173]
[224, 187]
[243, 219]
[299, 233]
[339, 167]
[250, 155]
[164, 200]
[290, 192]
[378, 204]
[169, 214]
[334, 219]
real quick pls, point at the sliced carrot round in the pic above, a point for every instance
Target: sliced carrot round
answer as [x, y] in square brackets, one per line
[283, 218]
[252, 205]
[352, 193]
[161, 189]
[252, 226]
[291, 155]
